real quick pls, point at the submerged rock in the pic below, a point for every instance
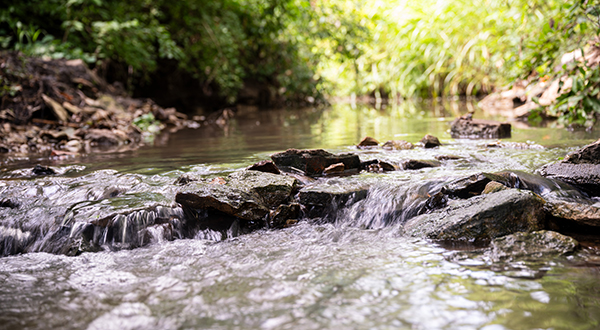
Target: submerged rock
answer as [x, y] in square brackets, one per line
[467, 127]
[323, 200]
[533, 244]
[430, 141]
[313, 162]
[397, 145]
[367, 142]
[42, 170]
[482, 217]
[414, 164]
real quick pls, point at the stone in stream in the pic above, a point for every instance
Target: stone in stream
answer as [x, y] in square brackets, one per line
[430, 141]
[470, 186]
[42, 170]
[9, 203]
[367, 142]
[313, 162]
[279, 218]
[13, 241]
[414, 164]
[266, 166]
[397, 145]
[492, 187]
[377, 166]
[533, 244]
[248, 195]
[581, 213]
[482, 217]
[467, 127]
[324, 199]
[334, 169]
[580, 168]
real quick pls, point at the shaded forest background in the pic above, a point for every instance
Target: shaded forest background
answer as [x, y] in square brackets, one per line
[275, 52]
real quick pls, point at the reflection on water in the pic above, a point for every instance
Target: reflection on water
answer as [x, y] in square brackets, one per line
[253, 135]
[308, 276]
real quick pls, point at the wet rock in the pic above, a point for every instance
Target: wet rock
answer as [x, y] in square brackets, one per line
[579, 212]
[217, 181]
[313, 162]
[482, 217]
[414, 164]
[430, 141]
[246, 195]
[273, 189]
[397, 145]
[325, 199]
[280, 217]
[589, 154]
[5, 202]
[470, 186]
[534, 245]
[184, 179]
[447, 157]
[367, 142]
[334, 169]
[42, 170]
[580, 168]
[266, 166]
[467, 127]
[586, 176]
[493, 186]
[377, 166]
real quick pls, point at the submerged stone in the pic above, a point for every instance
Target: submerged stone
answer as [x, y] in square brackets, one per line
[323, 200]
[414, 164]
[313, 162]
[467, 127]
[397, 145]
[533, 244]
[42, 170]
[482, 217]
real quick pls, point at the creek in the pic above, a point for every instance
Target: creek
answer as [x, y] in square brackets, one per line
[355, 271]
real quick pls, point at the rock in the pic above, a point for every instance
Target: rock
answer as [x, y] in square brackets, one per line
[58, 110]
[482, 217]
[247, 195]
[217, 181]
[533, 244]
[579, 212]
[397, 145]
[377, 166]
[42, 170]
[266, 166]
[467, 127]
[418, 164]
[334, 169]
[493, 186]
[430, 141]
[13, 241]
[323, 200]
[11, 204]
[367, 142]
[589, 154]
[280, 217]
[585, 176]
[447, 157]
[313, 162]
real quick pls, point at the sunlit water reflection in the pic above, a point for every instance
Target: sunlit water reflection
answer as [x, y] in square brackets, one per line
[310, 276]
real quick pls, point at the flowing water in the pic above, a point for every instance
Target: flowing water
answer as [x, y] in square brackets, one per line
[354, 272]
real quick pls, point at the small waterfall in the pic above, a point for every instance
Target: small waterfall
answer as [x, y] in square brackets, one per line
[387, 205]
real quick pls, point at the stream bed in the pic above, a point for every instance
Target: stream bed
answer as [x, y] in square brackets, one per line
[340, 274]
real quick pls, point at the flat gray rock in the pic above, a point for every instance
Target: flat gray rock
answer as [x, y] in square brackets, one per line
[482, 217]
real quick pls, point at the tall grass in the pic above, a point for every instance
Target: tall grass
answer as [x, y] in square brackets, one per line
[428, 48]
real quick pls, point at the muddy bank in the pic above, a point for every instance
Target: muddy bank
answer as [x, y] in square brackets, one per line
[62, 108]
